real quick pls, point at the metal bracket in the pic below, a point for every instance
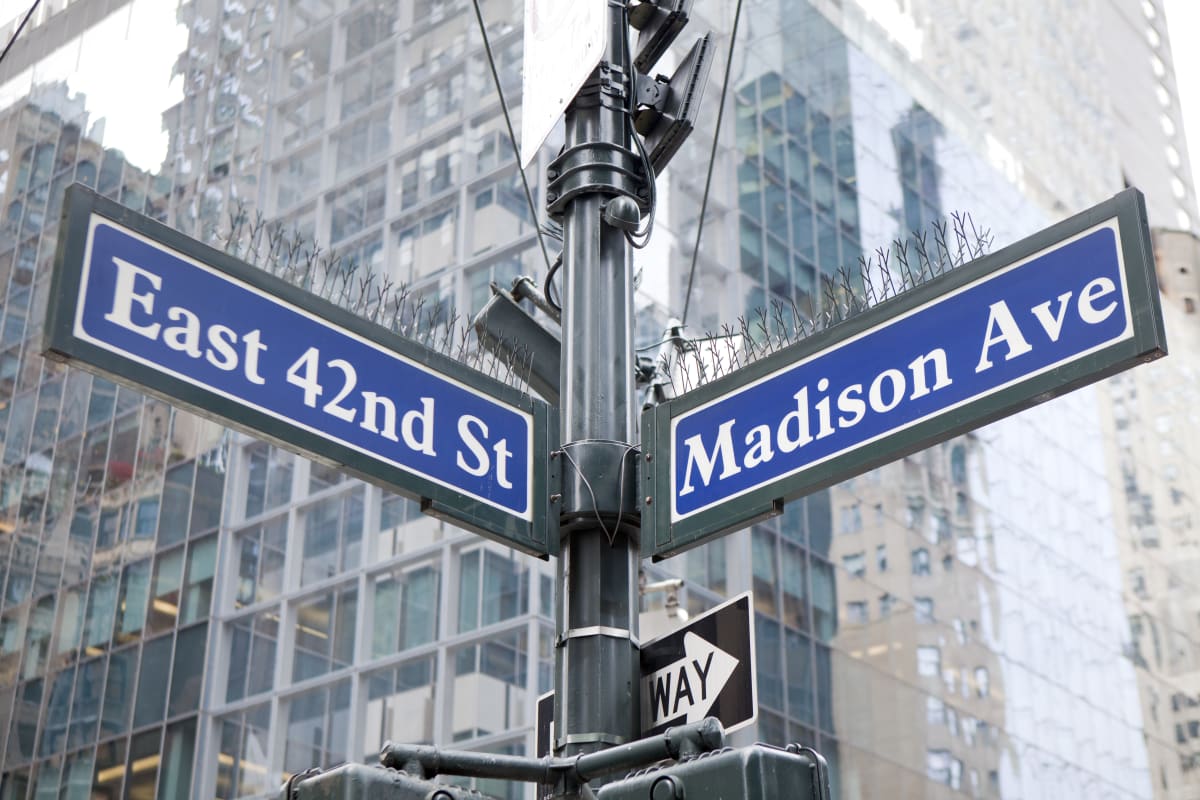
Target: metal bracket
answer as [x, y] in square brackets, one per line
[602, 167]
[598, 630]
[650, 91]
[600, 481]
[613, 81]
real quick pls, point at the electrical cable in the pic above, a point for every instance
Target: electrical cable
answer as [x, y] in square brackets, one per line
[512, 137]
[630, 109]
[546, 284]
[712, 157]
[612, 537]
[21, 27]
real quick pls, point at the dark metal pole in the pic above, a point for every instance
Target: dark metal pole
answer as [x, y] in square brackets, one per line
[597, 663]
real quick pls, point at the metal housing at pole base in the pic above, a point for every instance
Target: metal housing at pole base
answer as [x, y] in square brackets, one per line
[759, 772]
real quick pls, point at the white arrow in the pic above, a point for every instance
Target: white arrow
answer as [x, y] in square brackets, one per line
[688, 686]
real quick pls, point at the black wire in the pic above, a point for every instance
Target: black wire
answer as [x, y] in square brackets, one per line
[712, 158]
[512, 137]
[630, 108]
[20, 28]
[650, 176]
[546, 284]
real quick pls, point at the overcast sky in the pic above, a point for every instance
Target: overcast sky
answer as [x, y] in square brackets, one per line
[1183, 21]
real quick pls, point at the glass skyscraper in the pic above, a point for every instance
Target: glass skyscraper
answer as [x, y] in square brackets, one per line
[187, 611]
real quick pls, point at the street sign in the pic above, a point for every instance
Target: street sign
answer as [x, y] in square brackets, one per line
[1065, 307]
[704, 669]
[563, 44]
[138, 302]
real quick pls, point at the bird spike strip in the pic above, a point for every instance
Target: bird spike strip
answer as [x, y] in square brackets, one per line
[688, 363]
[420, 316]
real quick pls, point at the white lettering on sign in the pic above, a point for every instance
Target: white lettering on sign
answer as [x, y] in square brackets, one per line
[1003, 328]
[926, 374]
[134, 307]
[687, 687]
[186, 337]
[1005, 335]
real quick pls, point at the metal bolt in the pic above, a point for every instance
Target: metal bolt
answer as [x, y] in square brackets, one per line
[649, 456]
[554, 498]
[649, 500]
[666, 788]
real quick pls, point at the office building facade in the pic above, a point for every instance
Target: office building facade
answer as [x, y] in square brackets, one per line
[188, 611]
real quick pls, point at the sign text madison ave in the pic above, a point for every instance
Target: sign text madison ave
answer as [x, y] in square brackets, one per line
[1065, 307]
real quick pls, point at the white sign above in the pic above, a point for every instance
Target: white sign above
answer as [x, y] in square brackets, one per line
[564, 41]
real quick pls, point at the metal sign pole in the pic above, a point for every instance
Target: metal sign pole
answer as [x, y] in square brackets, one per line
[597, 702]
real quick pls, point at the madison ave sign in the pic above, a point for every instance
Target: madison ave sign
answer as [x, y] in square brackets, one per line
[136, 301]
[1063, 308]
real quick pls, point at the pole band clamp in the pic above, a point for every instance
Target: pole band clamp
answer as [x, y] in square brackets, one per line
[592, 738]
[598, 630]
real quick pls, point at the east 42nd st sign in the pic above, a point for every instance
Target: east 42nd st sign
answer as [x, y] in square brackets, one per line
[136, 301]
[1065, 307]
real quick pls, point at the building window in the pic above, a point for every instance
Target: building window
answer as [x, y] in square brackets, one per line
[405, 612]
[920, 561]
[260, 554]
[881, 560]
[400, 704]
[489, 685]
[923, 610]
[856, 613]
[332, 536]
[253, 641]
[318, 727]
[491, 588]
[982, 682]
[269, 478]
[935, 711]
[929, 662]
[361, 143]
[500, 213]
[855, 564]
[323, 634]
[358, 206]
[886, 603]
[765, 563]
[850, 518]
[243, 761]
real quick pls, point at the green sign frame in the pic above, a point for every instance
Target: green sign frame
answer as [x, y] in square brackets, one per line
[663, 536]
[537, 535]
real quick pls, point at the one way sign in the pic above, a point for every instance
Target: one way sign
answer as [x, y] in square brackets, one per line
[705, 668]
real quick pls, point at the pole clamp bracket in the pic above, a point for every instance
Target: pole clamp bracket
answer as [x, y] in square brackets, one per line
[603, 167]
[598, 630]
[600, 484]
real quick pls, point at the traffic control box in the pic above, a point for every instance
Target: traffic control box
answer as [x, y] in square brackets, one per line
[758, 772]
[363, 782]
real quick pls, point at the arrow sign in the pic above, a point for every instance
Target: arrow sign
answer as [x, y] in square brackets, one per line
[1068, 306]
[706, 668]
[146, 306]
[685, 690]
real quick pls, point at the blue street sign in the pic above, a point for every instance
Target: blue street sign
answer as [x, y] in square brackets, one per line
[1060, 309]
[180, 320]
